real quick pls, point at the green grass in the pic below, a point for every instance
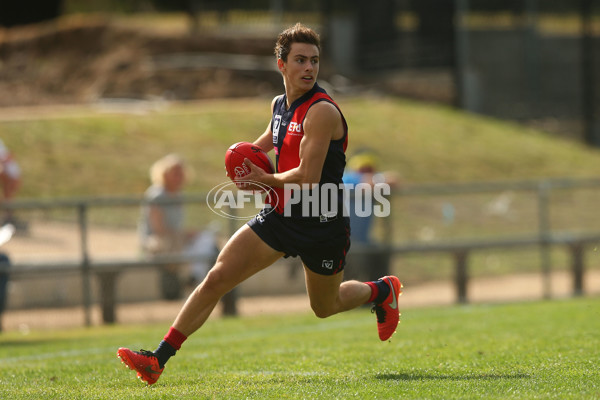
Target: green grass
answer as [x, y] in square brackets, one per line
[541, 350]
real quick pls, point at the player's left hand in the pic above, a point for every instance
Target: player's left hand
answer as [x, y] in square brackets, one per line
[256, 174]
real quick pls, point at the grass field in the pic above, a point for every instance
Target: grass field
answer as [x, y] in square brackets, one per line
[541, 350]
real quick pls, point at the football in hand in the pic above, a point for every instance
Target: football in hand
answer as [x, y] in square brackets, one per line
[235, 167]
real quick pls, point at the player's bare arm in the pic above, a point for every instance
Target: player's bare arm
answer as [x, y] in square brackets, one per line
[265, 141]
[322, 124]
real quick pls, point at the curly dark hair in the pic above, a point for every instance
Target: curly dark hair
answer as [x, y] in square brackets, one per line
[296, 34]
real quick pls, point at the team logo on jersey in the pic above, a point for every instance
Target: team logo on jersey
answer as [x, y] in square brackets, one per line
[327, 264]
[276, 125]
[294, 129]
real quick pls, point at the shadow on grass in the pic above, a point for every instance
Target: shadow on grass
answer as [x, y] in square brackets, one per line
[28, 342]
[423, 376]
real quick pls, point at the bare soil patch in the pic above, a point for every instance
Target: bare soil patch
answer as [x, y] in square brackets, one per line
[75, 61]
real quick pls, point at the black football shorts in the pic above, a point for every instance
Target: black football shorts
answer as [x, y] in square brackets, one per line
[322, 245]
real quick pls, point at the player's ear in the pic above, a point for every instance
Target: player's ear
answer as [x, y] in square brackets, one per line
[280, 64]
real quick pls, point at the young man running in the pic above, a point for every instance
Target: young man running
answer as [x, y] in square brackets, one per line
[308, 134]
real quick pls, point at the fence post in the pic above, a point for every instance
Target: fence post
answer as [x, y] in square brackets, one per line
[462, 275]
[108, 283]
[544, 232]
[85, 263]
[577, 260]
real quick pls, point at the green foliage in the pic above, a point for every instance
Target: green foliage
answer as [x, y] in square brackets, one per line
[518, 351]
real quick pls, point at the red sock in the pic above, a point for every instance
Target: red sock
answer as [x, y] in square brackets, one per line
[374, 291]
[175, 338]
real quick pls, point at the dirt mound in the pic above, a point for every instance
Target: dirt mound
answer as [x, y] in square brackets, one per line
[80, 61]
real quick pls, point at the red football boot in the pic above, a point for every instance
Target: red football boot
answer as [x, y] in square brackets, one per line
[387, 312]
[144, 362]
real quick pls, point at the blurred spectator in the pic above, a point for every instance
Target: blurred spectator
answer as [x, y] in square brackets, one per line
[10, 177]
[362, 168]
[368, 259]
[4, 262]
[162, 229]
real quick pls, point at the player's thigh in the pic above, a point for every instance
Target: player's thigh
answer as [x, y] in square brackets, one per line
[244, 255]
[323, 290]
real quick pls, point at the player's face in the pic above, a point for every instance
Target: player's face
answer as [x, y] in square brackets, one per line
[301, 68]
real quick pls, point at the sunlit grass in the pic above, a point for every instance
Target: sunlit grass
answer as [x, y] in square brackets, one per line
[520, 351]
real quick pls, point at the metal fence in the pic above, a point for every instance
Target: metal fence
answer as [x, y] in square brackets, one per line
[543, 215]
[70, 243]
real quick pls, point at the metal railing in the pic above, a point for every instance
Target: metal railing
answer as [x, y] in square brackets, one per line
[542, 235]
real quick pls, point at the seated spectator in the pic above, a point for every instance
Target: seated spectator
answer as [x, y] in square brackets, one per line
[10, 178]
[162, 221]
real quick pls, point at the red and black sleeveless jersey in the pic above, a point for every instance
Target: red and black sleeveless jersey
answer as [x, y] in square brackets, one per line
[287, 128]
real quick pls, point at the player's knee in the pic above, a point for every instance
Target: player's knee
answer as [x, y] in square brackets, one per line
[217, 282]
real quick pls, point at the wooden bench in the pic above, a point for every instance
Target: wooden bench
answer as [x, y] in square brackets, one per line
[107, 271]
